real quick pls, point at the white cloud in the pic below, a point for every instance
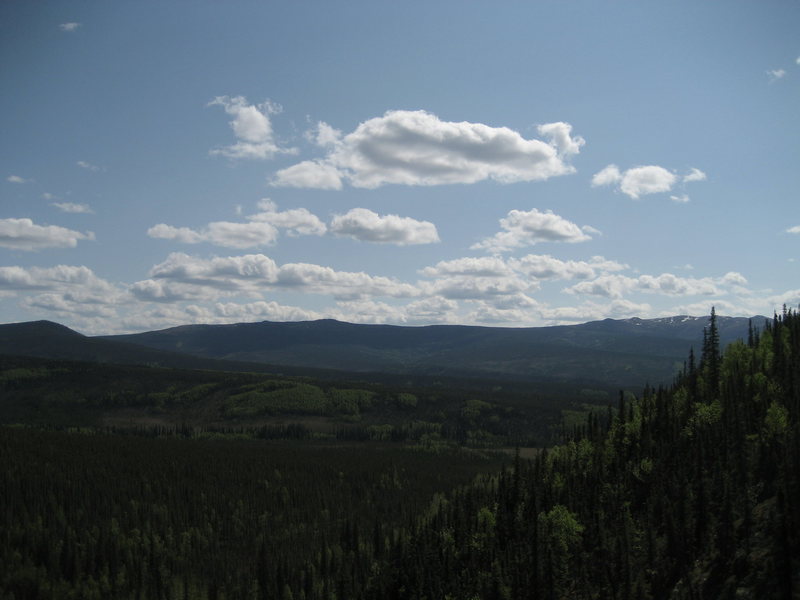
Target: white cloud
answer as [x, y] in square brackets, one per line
[51, 278]
[325, 136]
[487, 266]
[478, 288]
[309, 174]
[417, 148]
[640, 181]
[608, 286]
[682, 199]
[270, 311]
[790, 298]
[88, 166]
[607, 176]
[650, 179]
[24, 234]
[672, 285]
[62, 290]
[318, 279]
[219, 233]
[252, 127]
[435, 309]
[17, 179]
[297, 221]
[695, 175]
[262, 230]
[367, 226]
[527, 228]
[69, 27]
[483, 278]
[368, 311]
[795, 229]
[544, 266]
[775, 74]
[183, 277]
[560, 135]
[592, 311]
[616, 286]
[183, 235]
[70, 207]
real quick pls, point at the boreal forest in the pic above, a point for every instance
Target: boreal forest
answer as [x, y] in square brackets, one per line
[145, 482]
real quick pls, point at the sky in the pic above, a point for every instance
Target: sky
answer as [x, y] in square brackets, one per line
[508, 164]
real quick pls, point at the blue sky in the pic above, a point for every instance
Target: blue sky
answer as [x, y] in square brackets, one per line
[511, 164]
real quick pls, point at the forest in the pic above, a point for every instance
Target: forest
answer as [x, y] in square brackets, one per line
[686, 491]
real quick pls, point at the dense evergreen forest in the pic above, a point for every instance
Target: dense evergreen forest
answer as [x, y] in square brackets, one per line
[689, 492]
[196, 403]
[684, 492]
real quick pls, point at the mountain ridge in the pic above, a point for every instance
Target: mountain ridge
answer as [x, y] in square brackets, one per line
[623, 352]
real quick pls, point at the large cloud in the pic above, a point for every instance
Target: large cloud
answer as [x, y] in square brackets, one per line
[527, 228]
[364, 225]
[24, 234]
[252, 127]
[417, 148]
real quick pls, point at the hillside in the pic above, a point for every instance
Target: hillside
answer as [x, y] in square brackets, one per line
[620, 352]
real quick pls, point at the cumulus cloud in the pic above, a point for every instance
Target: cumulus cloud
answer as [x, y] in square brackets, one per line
[296, 221]
[270, 311]
[252, 127]
[70, 207]
[183, 277]
[324, 135]
[482, 278]
[487, 266]
[219, 233]
[616, 286]
[17, 179]
[527, 228]
[607, 176]
[69, 27]
[417, 148]
[262, 230]
[795, 229]
[318, 279]
[309, 174]
[644, 180]
[50, 278]
[367, 226]
[638, 181]
[544, 266]
[24, 234]
[64, 290]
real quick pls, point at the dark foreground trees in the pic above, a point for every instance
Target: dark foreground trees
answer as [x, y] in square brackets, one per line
[688, 493]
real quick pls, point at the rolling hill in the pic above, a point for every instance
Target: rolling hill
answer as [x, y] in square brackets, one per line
[620, 352]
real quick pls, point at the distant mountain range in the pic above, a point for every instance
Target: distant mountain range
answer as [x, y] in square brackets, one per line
[627, 352]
